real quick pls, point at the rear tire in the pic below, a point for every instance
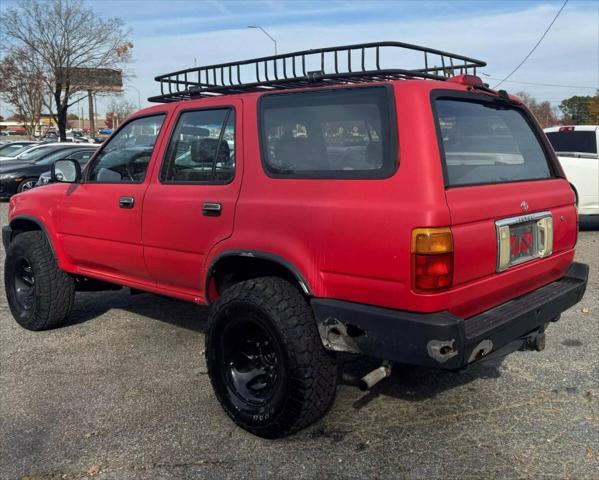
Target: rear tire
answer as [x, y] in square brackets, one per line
[265, 358]
[39, 294]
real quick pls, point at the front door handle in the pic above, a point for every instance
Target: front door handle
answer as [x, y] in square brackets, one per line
[212, 209]
[126, 202]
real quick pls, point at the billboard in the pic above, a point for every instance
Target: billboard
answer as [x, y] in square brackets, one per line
[95, 79]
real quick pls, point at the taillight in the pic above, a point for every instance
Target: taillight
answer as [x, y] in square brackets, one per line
[471, 80]
[566, 129]
[432, 259]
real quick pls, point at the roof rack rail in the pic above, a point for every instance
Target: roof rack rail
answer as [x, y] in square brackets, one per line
[334, 65]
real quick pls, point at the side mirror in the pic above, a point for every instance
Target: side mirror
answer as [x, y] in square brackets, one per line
[66, 171]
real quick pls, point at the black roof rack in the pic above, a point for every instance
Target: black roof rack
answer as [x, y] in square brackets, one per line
[334, 65]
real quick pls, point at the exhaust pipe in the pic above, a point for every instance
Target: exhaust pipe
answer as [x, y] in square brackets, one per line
[370, 380]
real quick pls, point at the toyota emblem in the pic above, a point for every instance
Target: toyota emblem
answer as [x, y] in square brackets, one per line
[524, 206]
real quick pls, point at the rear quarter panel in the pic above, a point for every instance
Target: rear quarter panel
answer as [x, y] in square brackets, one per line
[350, 239]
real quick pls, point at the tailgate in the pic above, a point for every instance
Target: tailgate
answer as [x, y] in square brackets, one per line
[513, 218]
[477, 215]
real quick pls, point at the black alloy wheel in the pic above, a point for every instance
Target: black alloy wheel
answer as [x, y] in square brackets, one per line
[23, 283]
[251, 362]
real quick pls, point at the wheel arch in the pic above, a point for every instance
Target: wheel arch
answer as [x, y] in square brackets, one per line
[246, 264]
[28, 223]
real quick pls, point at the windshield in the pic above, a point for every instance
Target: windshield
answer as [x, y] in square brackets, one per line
[485, 143]
[11, 150]
[574, 141]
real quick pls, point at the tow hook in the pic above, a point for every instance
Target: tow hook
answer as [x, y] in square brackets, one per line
[371, 379]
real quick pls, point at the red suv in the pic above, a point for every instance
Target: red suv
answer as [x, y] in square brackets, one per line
[411, 215]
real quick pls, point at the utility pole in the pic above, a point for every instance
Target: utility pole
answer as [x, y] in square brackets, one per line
[92, 123]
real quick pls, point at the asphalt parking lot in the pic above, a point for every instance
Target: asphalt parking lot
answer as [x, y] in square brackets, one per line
[122, 393]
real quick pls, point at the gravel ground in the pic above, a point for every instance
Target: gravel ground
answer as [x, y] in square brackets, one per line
[122, 393]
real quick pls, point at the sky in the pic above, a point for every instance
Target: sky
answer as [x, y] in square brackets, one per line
[177, 34]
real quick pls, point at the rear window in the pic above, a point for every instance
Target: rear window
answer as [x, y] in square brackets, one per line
[341, 133]
[487, 143]
[573, 141]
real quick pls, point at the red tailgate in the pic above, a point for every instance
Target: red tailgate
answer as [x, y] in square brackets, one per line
[474, 213]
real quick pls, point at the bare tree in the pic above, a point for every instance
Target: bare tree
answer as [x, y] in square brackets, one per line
[22, 88]
[60, 36]
[118, 110]
[121, 107]
[543, 111]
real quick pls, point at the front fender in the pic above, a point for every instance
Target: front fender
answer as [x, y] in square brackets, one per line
[30, 209]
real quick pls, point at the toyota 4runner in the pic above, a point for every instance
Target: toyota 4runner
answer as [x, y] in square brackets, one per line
[327, 204]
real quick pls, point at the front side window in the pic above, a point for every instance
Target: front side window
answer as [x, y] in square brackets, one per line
[202, 148]
[55, 154]
[488, 143]
[341, 133]
[126, 156]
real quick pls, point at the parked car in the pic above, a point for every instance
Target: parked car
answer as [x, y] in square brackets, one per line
[576, 148]
[31, 152]
[405, 215]
[10, 150]
[22, 175]
[82, 156]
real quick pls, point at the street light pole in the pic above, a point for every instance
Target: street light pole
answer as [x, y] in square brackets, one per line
[138, 96]
[258, 27]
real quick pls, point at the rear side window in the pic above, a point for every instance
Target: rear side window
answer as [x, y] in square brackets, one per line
[573, 141]
[342, 133]
[487, 143]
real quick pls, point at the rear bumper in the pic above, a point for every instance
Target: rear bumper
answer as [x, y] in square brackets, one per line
[442, 339]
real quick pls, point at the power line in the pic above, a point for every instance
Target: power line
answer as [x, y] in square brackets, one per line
[542, 84]
[536, 45]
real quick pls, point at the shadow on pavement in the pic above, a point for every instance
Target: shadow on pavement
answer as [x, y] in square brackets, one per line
[406, 382]
[409, 382]
[89, 306]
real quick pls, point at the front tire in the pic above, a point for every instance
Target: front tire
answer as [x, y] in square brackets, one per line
[26, 184]
[265, 358]
[39, 294]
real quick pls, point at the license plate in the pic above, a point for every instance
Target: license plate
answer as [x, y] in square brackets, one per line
[523, 242]
[524, 238]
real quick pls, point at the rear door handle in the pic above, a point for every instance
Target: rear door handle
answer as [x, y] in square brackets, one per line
[212, 209]
[126, 202]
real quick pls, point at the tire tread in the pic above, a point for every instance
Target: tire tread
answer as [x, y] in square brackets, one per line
[313, 370]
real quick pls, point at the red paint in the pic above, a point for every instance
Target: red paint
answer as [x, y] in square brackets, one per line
[350, 239]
